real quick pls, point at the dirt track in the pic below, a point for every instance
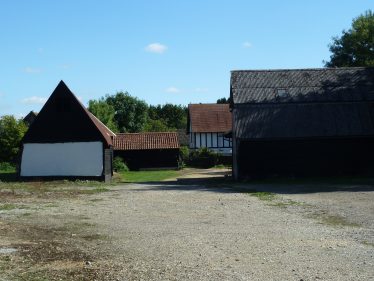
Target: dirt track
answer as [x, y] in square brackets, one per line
[190, 230]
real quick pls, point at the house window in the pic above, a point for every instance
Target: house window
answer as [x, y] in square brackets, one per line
[281, 93]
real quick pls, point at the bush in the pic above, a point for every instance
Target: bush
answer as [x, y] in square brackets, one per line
[7, 167]
[184, 153]
[119, 165]
[203, 158]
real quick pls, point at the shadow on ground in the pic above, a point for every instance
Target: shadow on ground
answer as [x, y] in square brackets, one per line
[223, 182]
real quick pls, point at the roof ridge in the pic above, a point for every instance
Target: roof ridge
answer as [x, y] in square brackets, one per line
[301, 69]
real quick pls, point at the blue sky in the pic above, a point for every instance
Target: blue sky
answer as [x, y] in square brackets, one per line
[160, 51]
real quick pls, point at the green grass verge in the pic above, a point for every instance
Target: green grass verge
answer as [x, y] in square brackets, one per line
[148, 176]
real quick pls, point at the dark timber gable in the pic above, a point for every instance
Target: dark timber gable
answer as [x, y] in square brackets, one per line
[64, 119]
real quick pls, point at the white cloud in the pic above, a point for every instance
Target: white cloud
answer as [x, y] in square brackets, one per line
[201, 90]
[173, 90]
[247, 45]
[34, 100]
[31, 70]
[65, 66]
[156, 48]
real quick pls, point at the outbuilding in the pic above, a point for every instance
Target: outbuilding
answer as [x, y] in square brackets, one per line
[303, 122]
[66, 141]
[148, 150]
[207, 125]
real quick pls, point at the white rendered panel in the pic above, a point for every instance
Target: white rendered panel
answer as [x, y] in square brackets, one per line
[62, 159]
[203, 139]
[209, 139]
[220, 140]
[198, 140]
[214, 135]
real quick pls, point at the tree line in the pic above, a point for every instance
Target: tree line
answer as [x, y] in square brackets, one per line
[124, 113]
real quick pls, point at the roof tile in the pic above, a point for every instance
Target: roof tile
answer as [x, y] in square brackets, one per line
[148, 140]
[205, 118]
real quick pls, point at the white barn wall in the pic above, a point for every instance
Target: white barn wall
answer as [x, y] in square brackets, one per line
[62, 159]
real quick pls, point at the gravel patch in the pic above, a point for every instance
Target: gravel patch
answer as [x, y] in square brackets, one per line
[199, 231]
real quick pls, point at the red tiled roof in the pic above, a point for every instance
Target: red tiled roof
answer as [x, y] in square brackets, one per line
[149, 140]
[206, 118]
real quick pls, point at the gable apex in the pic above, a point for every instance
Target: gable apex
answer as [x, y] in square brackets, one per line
[64, 118]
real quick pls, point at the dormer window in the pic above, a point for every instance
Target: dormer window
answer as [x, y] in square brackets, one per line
[281, 93]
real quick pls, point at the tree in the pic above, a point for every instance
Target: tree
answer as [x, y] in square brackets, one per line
[356, 46]
[156, 126]
[223, 100]
[105, 112]
[11, 134]
[173, 116]
[130, 113]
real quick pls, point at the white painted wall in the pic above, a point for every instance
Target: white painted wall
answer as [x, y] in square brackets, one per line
[62, 159]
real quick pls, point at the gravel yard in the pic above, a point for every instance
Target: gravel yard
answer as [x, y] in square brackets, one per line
[190, 230]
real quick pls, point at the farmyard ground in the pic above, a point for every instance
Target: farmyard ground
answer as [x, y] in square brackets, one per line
[196, 228]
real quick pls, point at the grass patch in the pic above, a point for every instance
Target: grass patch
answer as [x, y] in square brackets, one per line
[262, 195]
[333, 220]
[287, 203]
[8, 207]
[96, 190]
[148, 176]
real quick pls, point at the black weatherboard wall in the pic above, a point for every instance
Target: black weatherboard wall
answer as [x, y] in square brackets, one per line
[147, 159]
[303, 122]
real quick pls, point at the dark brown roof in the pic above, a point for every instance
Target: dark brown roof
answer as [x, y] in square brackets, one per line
[205, 118]
[323, 102]
[104, 130]
[303, 85]
[149, 140]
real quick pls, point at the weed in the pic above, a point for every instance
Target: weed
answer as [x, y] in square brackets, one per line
[286, 203]
[367, 243]
[262, 195]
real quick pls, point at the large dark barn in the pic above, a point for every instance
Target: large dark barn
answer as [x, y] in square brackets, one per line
[151, 150]
[303, 122]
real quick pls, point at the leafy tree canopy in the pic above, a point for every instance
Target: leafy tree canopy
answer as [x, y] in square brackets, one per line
[124, 113]
[356, 46]
[224, 100]
[130, 113]
[173, 116]
[105, 112]
[11, 134]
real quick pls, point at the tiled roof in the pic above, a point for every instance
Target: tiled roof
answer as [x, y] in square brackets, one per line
[148, 140]
[205, 118]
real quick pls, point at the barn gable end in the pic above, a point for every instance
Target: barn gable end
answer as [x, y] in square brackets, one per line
[66, 140]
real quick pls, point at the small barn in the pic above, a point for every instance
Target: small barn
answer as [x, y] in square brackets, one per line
[207, 125]
[66, 141]
[148, 150]
[303, 122]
